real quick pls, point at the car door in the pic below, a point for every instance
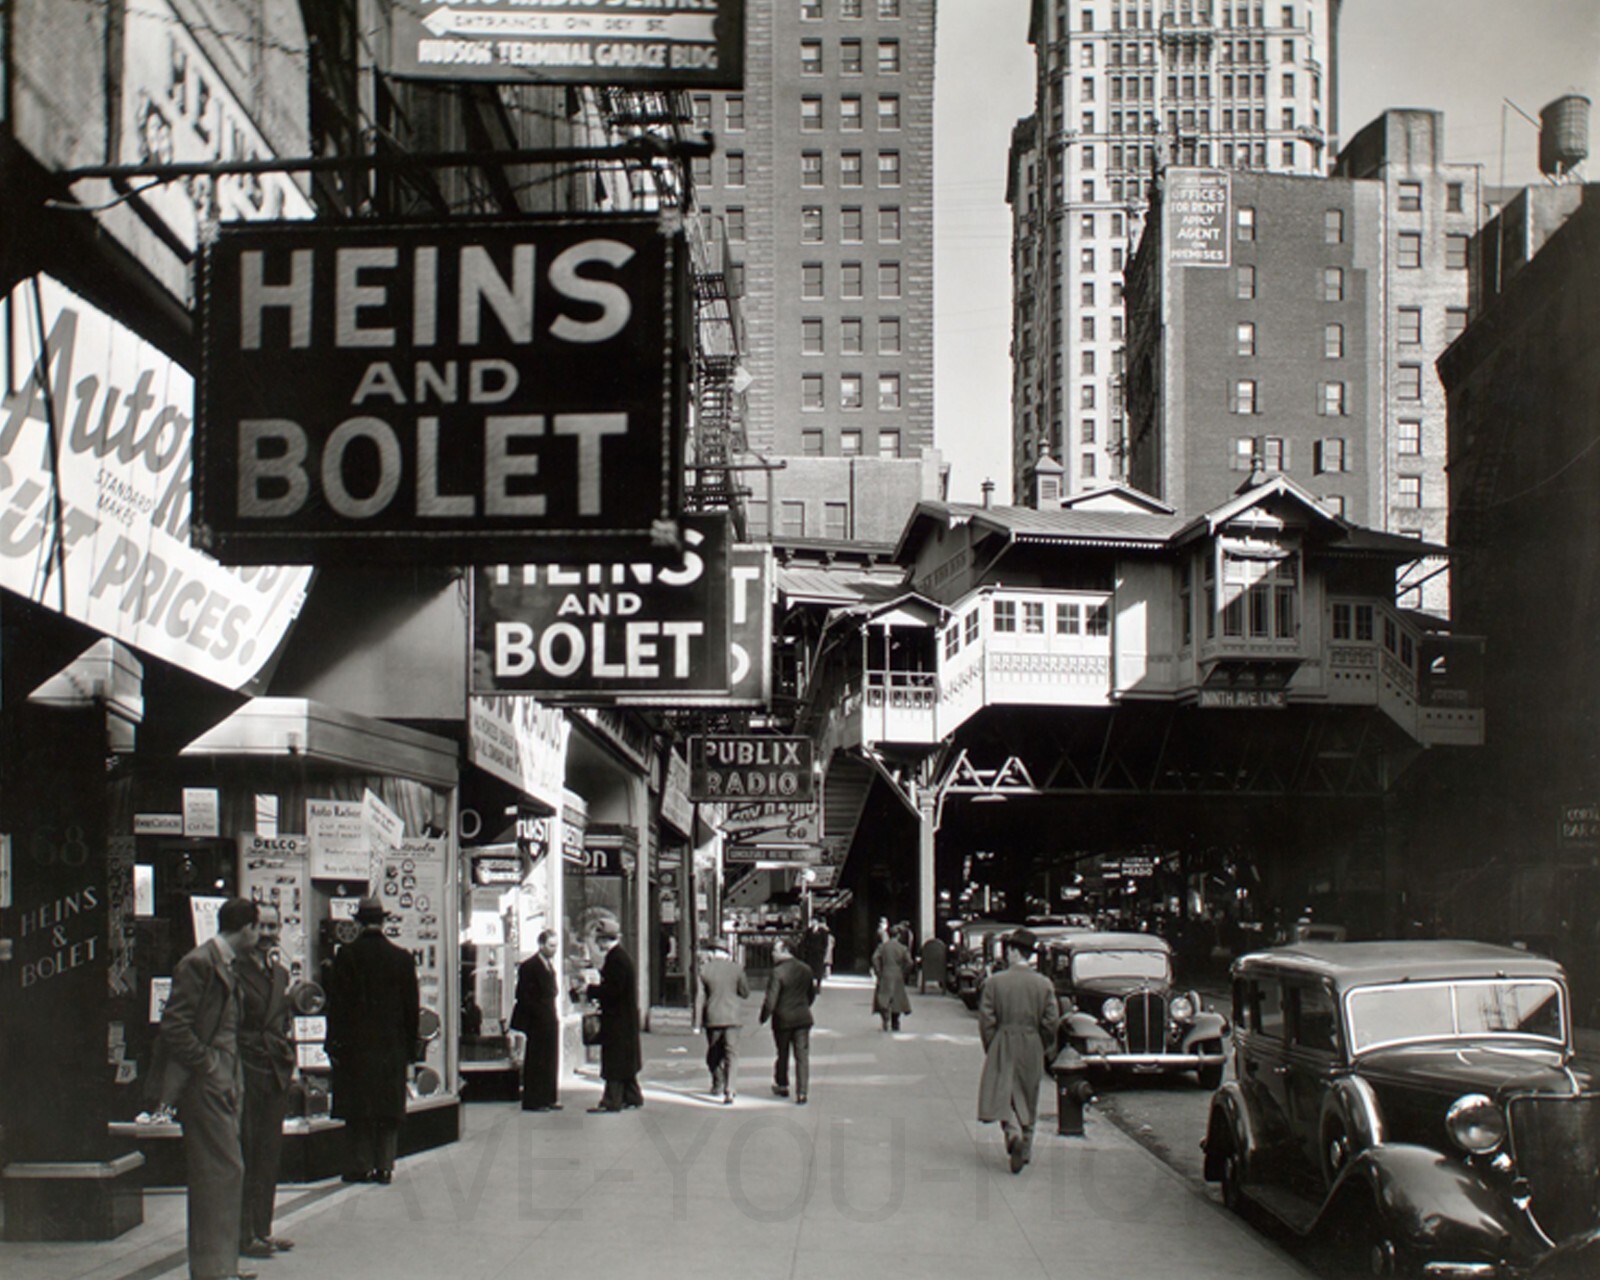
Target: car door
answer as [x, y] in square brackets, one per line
[1311, 1016]
[1262, 1048]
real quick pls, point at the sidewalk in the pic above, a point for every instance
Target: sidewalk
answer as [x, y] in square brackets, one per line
[885, 1173]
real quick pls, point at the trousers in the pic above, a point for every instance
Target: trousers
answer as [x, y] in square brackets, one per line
[261, 1137]
[210, 1119]
[373, 1144]
[722, 1057]
[797, 1040]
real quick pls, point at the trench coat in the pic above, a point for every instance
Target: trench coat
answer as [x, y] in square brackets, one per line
[373, 1013]
[1017, 1018]
[621, 1058]
[891, 964]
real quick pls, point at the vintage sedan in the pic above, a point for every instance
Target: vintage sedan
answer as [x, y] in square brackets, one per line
[970, 957]
[1411, 1105]
[1121, 1013]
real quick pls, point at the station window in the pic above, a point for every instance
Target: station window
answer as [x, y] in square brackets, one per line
[969, 627]
[1033, 617]
[1097, 620]
[952, 641]
[1005, 616]
[1069, 619]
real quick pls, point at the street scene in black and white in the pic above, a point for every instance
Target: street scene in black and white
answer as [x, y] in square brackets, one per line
[799, 638]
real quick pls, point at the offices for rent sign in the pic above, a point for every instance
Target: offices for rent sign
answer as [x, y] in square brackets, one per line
[1197, 217]
[647, 43]
[96, 453]
[439, 391]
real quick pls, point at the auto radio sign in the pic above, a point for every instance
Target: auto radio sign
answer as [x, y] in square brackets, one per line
[434, 391]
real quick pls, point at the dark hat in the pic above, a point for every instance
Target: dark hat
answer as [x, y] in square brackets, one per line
[370, 911]
[1023, 940]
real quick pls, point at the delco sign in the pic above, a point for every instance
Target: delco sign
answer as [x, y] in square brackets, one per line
[595, 632]
[433, 391]
[723, 767]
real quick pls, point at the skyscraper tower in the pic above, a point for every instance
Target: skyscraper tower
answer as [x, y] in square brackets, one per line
[1125, 86]
[823, 180]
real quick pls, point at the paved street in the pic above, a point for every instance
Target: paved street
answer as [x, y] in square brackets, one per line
[885, 1173]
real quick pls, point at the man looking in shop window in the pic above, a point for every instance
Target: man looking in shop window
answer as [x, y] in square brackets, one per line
[266, 1053]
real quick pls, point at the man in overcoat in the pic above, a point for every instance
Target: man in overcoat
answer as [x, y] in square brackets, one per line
[266, 1051]
[534, 1014]
[790, 990]
[197, 1067]
[620, 1054]
[1017, 1019]
[891, 966]
[373, 1016]
[719, 1009]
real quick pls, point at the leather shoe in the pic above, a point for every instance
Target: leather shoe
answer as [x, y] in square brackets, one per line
[364, 1176]
[800, 1100]
[255, 1249]
[727, 1099]
[278, 1243]
[383, 1177]
[778, 1091]
[605, 1111]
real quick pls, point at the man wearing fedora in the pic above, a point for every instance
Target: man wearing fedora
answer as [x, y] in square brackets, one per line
[719, 1009]
[373, 1015]
[1017, 1019]
[621, 1055]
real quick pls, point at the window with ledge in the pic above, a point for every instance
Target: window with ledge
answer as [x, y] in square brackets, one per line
[850, 9]
[810, 10]
[1454, 197]
[1005, 617]
[811, 115]
[969, 627]
[811, 336]
[1033, 617]
[888, 280]
[792, 519]
[1455, 323]
[736, 168]
[1333, 226]
[1330, 455]
[1408, 325]
[1244, 223]
[811, 397]
[849, 168]
[1409, 197]
[733, 113]
[850, 57]
[888, 444]
[850, 224]
[850, 118]
[811, 57]
[888, 9]
[1408, 382]
[850, 444]
[1455, 252]
[811, 168]
[1408, 491]
[888, 57]
[1333, 405]
[810, 279]
[736, 224]
[888, 168]
[836, 520]
[850, 396]
[888, 224]
[1260, 598]
[700, 113]
[811, 222]
[1245, 281]
[850, 331]
[851, 279]
[1408, 437]
[888, 335]
[1333, 341]
[1245, 338]
[1244, 396]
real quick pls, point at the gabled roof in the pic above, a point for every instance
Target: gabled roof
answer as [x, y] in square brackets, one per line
[841, 586]
[1131, 529]
[1118, 497]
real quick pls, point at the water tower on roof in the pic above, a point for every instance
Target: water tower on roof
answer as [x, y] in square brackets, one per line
[1564, 137]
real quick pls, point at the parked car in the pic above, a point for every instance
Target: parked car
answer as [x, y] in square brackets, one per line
[1121, 1012]
[1413, 1104]
[969, 963]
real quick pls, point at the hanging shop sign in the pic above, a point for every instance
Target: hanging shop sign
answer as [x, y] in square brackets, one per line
[96, 436]
[520, 741]
[677, 810]
[439, 391]
[178, 109]
[590, 633]
[1196, 215]
[772, 825]
[750, 584]
[742, 767]
[653, 44]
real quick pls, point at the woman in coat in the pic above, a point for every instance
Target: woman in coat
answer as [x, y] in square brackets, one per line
[620, 1054]
[1017, 1019]
[891, 966]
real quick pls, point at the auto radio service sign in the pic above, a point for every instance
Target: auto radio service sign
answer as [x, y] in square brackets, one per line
[437, 390]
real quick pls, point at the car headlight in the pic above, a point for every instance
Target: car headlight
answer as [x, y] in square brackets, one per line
[1182, 1008]
[1113, 1010]
[1475, 1124]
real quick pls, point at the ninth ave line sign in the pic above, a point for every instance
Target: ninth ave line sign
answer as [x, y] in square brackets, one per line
[745, 767]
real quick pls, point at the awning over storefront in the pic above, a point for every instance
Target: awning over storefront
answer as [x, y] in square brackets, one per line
[328, 735]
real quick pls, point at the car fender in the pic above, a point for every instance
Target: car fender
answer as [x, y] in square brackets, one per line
[1574, 1259]
[1354, 1104]
[1081, 1026]
[1229, 1126]
[1206, 1026]
[1429, 1205]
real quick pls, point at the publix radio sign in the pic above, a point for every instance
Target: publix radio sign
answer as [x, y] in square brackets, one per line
[743, 767]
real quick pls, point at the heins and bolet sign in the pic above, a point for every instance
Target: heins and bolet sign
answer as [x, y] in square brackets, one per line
[436, 390]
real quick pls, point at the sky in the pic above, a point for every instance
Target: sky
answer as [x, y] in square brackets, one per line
[1463, 57]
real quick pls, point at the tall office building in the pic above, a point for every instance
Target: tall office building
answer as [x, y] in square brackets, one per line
[1125, 86]
[823, 181]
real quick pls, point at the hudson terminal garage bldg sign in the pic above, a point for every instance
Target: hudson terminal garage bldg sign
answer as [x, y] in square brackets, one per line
[435, 390]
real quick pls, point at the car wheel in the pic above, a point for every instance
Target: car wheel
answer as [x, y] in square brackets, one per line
[1232, 1180]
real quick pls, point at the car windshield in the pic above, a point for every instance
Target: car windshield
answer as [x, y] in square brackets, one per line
[1465, 1010]
[1091, 966]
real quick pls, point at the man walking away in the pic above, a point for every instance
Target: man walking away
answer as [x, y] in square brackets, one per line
[534, 1014]
[198, 1063]
[266, 1052]
[790, 991]
[621, 1055]
[814, 948]
[720, 1010]
[1017, 1019]
[373, 1016]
